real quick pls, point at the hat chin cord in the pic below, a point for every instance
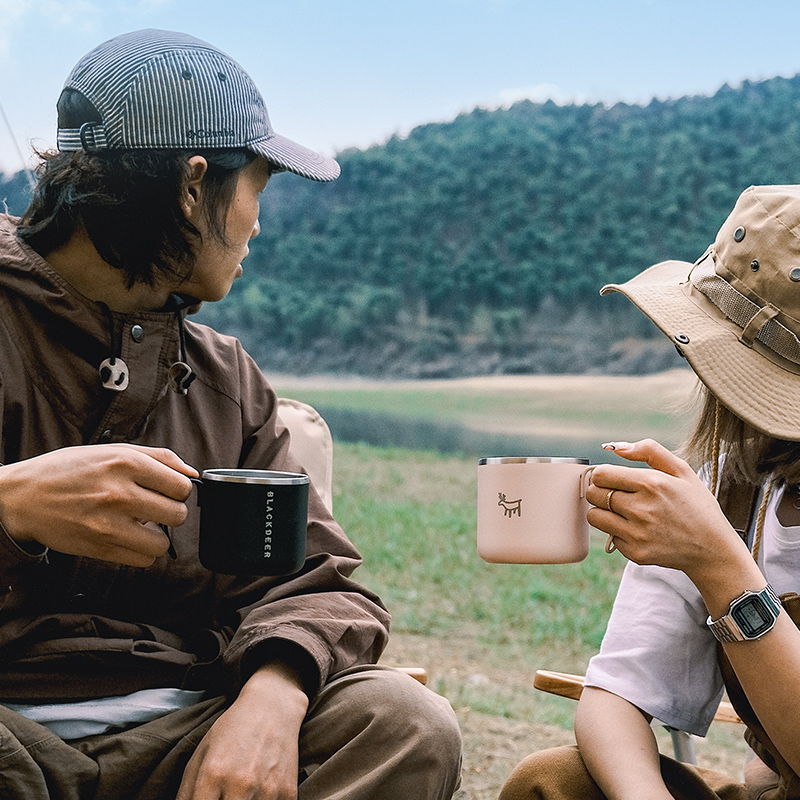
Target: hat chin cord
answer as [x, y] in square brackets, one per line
[767, 490]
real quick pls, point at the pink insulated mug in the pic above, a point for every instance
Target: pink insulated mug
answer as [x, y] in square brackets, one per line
[532, 509]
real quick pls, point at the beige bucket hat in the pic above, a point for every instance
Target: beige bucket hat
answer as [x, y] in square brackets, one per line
[735, 313]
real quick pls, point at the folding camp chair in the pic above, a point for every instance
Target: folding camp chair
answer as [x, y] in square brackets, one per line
[312, 445]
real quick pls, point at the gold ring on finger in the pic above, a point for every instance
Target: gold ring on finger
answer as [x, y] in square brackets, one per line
[608, 500]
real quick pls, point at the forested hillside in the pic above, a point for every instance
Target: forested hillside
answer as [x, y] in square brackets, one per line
[479, 245]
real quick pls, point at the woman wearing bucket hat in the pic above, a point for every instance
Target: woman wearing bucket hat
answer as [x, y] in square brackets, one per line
[710, 598]
[127, 669]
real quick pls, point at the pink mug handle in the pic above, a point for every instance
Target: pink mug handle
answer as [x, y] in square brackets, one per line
[610, 546]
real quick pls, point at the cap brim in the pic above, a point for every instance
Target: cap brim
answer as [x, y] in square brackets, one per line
[748, 380]
[295, 158]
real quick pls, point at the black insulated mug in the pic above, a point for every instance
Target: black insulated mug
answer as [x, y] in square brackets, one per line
[252, 521]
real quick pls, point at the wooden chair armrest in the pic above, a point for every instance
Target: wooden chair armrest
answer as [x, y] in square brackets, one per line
[417, 673]
[725, 713]
[561, 683]
[565, 684]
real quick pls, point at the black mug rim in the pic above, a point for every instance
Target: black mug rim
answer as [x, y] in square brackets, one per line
[258, 476]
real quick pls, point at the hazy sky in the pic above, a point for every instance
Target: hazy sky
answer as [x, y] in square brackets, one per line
[342, 73]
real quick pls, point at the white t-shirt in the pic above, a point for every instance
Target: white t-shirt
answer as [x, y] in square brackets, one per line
[91, 717]
[658, 652]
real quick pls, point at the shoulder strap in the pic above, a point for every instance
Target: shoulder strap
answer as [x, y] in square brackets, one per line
[739, 504]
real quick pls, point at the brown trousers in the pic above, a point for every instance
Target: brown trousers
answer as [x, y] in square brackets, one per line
[559, 774]
[372, 733]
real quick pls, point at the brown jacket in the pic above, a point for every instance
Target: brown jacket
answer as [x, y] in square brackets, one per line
[77, 627]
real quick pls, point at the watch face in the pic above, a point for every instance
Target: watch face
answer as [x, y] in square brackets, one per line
[753, 617]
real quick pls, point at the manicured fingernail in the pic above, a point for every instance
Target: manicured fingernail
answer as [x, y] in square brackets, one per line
[616, 445]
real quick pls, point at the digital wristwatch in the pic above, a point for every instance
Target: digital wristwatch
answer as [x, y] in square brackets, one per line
[750, 616]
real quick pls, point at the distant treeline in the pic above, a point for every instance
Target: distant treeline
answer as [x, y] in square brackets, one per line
[480, 245]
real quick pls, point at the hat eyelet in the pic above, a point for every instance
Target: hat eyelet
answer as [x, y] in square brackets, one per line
[754, 265]
[681, 338]
[794, 274]
[222, 76]
[739, 234]
[186, 75]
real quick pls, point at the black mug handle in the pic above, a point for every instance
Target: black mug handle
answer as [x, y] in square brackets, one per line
[171, 549]
[198, 482]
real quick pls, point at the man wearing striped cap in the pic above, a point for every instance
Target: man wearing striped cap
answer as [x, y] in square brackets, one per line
[128, 670]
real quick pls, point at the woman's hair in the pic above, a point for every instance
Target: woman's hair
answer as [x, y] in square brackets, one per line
[750, 455]
[127, 201]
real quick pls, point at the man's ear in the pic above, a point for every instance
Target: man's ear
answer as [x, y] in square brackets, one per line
[192, 200]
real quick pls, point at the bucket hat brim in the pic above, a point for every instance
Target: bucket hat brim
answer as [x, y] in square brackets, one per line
[751, 380]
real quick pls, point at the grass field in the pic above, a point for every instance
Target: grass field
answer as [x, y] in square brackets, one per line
[481, 630]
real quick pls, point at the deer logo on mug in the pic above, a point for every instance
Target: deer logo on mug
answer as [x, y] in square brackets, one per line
[510, 507]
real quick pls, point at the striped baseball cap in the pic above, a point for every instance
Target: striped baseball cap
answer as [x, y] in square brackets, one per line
[157, 89]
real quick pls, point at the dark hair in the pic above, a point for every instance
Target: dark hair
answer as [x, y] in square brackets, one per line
[127, 201]
[750, 454]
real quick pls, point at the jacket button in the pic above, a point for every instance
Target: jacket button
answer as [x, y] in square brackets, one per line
[105, 437]
[137, 332]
